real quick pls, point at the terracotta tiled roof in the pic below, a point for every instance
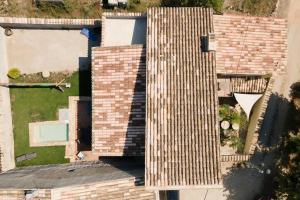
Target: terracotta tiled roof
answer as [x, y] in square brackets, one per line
[244, 84]
[182, 134]
[118, 100]
[250, 45]
[84, 181]
[121, 189]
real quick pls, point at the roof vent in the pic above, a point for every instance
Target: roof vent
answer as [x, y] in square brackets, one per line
[212, 42]
[30, 194]
[208, 43]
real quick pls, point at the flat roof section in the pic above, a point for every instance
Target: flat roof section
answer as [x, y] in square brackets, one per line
[123, 29]
[182, 130]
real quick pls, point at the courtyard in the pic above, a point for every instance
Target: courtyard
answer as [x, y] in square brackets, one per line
[62, 52]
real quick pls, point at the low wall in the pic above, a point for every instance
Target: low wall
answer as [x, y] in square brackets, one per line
[21, 22]
[256, 119]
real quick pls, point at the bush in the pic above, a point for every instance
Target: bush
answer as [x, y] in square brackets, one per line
[14, 73]
[236, 142]
[259, 7]
[235, 118]
[224, 112]
[217, 5]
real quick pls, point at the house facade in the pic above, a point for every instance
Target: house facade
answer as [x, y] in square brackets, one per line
[156, 87]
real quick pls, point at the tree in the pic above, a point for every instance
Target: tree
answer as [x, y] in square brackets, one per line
[288, 165]
[288, 178]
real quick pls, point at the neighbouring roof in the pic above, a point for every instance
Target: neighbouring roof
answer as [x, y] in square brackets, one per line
[182, 134]
[250, 45]
[62, 175]
[87, 180]
[118, 100]
[125, 189]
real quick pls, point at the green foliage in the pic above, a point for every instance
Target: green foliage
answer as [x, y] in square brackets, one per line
[217, 5]
[14, 73]
[224, 111]
[236, 142]
[136, 1]
[288, 178]
[235, 118]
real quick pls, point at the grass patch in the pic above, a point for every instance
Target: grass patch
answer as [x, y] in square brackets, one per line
[42, 104]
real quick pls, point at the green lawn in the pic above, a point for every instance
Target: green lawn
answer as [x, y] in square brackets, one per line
[41, 104]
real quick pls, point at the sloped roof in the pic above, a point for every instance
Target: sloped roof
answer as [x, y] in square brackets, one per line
[250, 45]
[118, 100]
[127, 189]
[62, 175]
[83, 180]
[182, 134]
[243, 84]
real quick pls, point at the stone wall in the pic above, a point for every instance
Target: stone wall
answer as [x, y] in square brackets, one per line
[50, 22]
[256, 119]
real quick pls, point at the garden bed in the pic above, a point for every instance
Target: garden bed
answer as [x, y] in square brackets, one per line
[234, 125]
[42, 104]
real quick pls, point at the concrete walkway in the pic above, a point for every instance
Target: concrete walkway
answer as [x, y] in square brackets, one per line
[6, 131]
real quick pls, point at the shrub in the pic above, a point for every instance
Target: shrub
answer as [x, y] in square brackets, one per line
[236, 142]
[235, 118]
[259, 7]
[217, 5]
[14, 73]
[224, 111]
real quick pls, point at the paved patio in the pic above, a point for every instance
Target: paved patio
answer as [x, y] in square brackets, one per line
[36, 50]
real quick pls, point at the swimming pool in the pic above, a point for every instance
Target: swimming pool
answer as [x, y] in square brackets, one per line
[48, 133]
